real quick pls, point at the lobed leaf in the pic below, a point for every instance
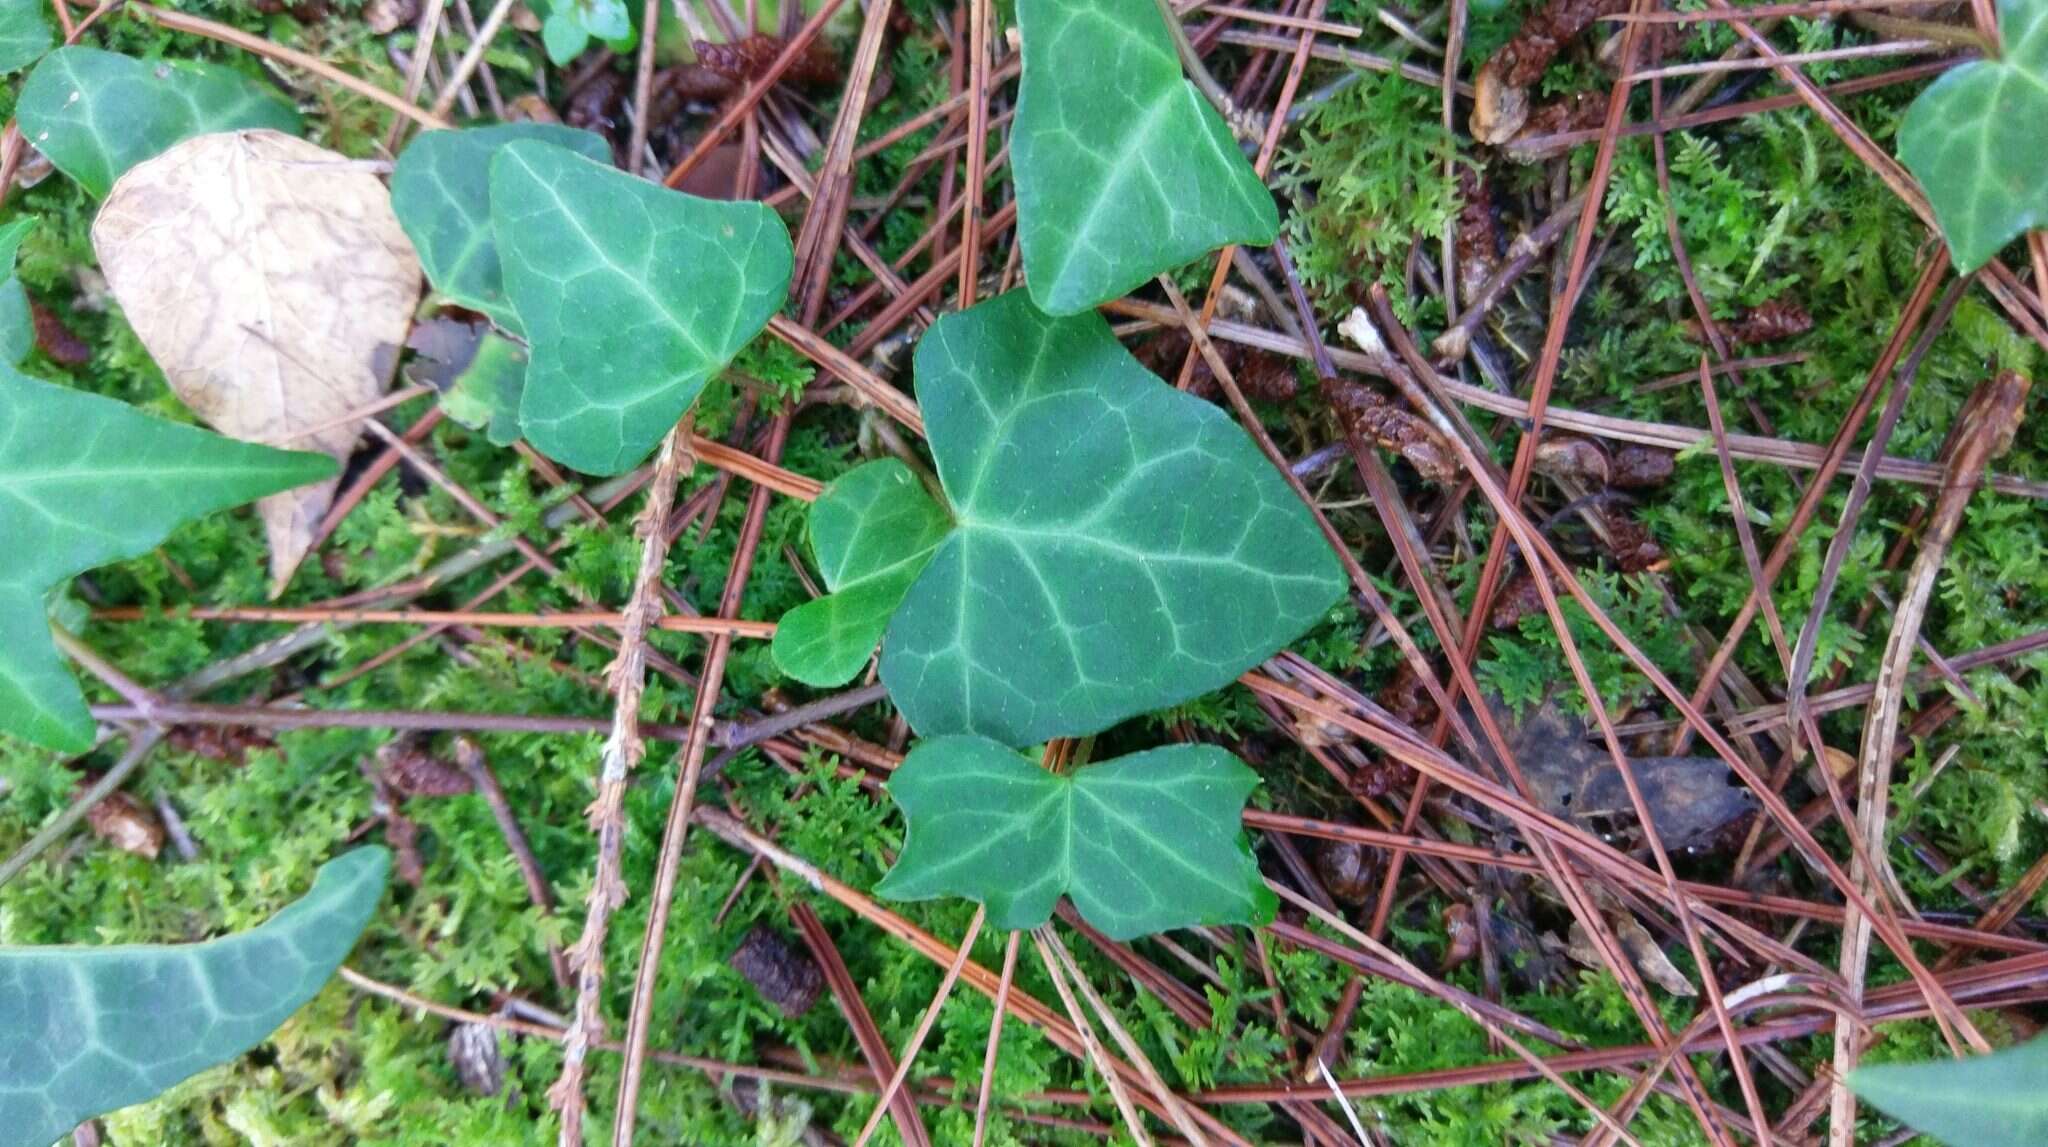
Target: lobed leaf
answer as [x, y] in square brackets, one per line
[96, 114]
[1142, 844]
[873, 531]
[1997, 1100]
[25, 33]
[85, 480]
[92, 1030]
[1977, 140]
[632, 297]
[441, 192]
[1119, 546]
[1122, 169]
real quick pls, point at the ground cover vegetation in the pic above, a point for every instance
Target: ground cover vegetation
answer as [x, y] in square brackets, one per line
[1022, 571]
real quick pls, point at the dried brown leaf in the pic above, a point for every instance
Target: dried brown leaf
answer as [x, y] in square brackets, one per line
[1690, 798]
[270, 280]
[1642, 950]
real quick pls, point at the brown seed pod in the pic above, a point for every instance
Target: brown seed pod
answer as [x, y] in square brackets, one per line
[1763, 323]
[1630, 541]
[1348, 869]
[1569, 456]
[749, 59]
[1367, 415]
[1478, 236]
[218, 742]
[1260, 375]
[782, 972]
[1636, 467]
[1500, 108]
[1405, 698]
[411, 771]
[1377, 778]
[1461, 936]
[1516, 600]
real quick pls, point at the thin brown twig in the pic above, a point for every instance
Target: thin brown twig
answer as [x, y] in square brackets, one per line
[639, 1020]
[623, 750]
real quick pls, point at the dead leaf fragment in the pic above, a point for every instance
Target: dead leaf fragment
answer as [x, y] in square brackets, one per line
[1642, 950]
[127, 824]
[1691, 799]
[270, 280]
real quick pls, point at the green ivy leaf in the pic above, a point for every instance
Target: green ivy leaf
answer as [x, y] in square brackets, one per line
[485, 396]
[96, 114]
[17, 324]
[1977, 140]
[93, 1030]
[85, 480]
[1119, 546]
[873, 531]
[632, 296]
[1142, 843]
[564, 36]
[1123, 170]
[1998, 1100]
[25, 33]
[441, 192]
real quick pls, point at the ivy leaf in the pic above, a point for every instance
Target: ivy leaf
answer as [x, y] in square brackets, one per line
[441, 190]
[485, 395]
[1142, 843]
[97, 1029]
[1977, 140]
[85, 480]
[1997, 1100]
[572, 24]
[1123, 170]
[1119, 546]
[25, 33]
[96, 114]
[17, 323]
[632, 296]
[873, 531]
